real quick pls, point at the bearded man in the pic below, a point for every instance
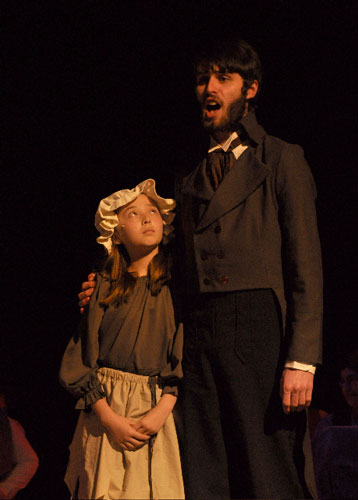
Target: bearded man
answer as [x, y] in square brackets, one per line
[254, 295]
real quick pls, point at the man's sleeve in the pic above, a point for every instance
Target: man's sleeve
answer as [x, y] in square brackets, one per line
[301, 256]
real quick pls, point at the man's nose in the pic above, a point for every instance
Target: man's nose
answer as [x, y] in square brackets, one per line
[211, 86]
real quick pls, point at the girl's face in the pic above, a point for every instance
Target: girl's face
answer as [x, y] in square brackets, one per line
[140, 226]
[349, 385]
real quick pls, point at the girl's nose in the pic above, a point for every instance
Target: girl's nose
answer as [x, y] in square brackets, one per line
[147, 220]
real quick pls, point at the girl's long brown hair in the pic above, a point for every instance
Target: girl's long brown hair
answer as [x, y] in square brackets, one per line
[115, 268]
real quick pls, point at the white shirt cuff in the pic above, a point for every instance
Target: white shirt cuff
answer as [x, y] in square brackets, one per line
[304, 367]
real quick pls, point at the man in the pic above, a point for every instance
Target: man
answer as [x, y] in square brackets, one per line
[254, 308]
[253, 260]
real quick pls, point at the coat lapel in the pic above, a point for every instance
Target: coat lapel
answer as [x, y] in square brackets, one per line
[243, 179]
[197, 183]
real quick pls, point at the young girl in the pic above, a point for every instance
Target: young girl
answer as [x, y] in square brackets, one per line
[124, 362]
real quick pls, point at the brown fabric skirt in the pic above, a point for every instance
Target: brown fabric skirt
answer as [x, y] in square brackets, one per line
[98, 468]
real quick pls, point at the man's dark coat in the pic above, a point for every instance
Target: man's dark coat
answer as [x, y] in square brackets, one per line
[259, 231]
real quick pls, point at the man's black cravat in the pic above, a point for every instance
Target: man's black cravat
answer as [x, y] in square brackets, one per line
[219, 162]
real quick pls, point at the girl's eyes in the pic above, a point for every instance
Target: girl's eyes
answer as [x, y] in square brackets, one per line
[152, 211]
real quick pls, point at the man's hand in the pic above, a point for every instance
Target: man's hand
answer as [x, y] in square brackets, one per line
[296, 390]
[87, 290]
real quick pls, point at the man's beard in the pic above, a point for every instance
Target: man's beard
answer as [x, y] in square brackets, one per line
[231, 121]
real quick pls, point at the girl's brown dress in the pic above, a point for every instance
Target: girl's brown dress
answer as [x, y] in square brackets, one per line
[130, 355]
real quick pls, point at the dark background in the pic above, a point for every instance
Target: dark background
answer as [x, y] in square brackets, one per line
[98, 96]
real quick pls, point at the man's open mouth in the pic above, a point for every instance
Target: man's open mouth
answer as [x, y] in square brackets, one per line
[210, 109]
[212, 106]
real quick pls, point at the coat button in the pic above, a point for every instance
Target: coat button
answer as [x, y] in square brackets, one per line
[206, 281]
[224, 279]
[217, 229]
[203, 255]
[220, 254]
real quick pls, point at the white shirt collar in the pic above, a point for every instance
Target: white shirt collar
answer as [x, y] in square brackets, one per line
[237, 151]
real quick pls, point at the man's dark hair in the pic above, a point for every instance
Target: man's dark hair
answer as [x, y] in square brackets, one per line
[230, 55]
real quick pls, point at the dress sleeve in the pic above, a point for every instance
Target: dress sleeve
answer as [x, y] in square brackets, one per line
[26, 463]
[173, 372]
[78, 371]
[301, 255]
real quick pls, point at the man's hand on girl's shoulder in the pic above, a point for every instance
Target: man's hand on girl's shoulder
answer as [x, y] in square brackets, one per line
[87, 288]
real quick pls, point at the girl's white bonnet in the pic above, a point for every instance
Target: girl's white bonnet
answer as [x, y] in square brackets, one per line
[106, 219]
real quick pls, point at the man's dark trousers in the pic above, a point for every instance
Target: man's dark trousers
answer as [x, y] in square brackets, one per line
[237, 441]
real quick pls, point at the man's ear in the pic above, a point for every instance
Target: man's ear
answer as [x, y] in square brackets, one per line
[252, 90]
